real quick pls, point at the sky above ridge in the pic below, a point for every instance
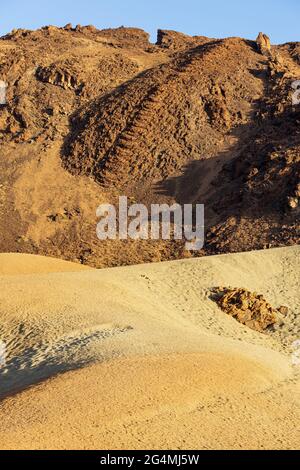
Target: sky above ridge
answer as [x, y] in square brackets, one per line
[217, 18]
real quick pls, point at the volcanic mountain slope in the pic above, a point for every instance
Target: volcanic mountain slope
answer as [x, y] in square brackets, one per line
[94, 114]
[258, 192]
[148, 128]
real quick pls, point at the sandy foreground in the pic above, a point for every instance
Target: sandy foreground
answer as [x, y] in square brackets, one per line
[141, 357]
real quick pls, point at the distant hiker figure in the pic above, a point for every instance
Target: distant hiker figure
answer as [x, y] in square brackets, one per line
[3, 87]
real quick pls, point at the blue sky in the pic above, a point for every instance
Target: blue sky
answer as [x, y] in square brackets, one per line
[216, 18]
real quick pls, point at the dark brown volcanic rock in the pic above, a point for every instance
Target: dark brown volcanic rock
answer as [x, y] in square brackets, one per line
[259, 190]
[153, 125]
[247, 307]
[175, 41]
[92, 114]
[127, 36]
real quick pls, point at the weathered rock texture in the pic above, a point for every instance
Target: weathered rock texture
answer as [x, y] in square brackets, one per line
[263, 43]
[247, 307]
[92, 114]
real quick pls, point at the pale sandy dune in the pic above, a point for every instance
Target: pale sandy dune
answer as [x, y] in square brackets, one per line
[10, 263]
[141, 357]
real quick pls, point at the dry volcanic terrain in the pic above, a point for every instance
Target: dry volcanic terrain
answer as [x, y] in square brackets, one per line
[163, 348]
[93, 114]
[142, 357]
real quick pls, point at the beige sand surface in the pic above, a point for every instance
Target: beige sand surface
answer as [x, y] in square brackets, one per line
[141, 357]
[11, 263]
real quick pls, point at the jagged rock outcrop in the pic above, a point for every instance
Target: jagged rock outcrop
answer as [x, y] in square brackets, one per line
[263, 43]
[56, 75]
[68, 27]
[175, 41]
[127, 36]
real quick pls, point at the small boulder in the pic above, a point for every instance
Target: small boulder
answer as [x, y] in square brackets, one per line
[283, 310]
[68, 27]
[247, 307]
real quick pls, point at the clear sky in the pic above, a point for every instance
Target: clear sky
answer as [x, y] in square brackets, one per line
[280, 19]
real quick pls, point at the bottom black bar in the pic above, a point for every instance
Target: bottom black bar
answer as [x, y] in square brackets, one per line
[135, 459]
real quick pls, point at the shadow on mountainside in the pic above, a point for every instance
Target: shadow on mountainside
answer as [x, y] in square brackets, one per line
[249, 186]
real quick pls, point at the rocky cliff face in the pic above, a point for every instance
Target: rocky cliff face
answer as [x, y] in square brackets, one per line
[165, 117]
[91, 114]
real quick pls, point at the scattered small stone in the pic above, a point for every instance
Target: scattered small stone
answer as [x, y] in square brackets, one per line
[293, 202]
[283, 310]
